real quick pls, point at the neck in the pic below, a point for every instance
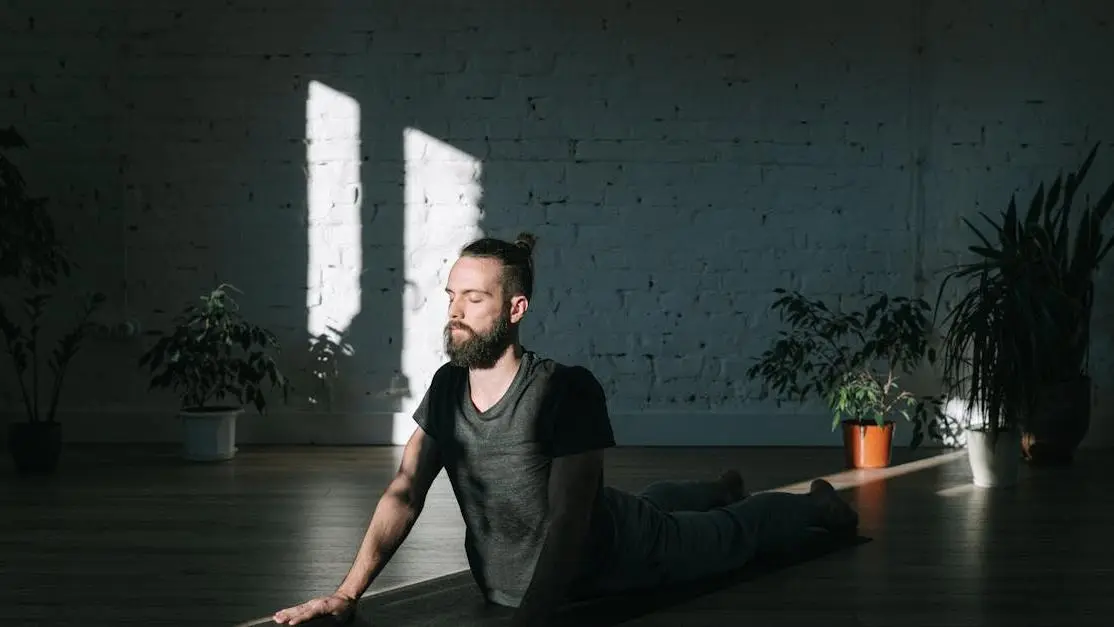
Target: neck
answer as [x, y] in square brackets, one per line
[495, 380]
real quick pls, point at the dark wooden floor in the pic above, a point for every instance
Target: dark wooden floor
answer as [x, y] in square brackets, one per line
[133, 536]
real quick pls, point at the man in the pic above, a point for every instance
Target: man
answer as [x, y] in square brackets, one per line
[521, 439]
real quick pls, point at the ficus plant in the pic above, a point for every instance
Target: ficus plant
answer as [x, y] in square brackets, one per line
[30, 249]
[852, 361]
[213, 356]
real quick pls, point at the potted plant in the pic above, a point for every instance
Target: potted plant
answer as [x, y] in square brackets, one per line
[218, 364]
[32, 257]
[1018, 339]
[854, 362]
[36, 445]
[985, 357]
[30, 250]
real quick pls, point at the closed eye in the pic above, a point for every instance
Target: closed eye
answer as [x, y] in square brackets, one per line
[474, 296]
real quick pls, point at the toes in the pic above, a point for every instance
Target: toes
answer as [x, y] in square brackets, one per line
[837, 514]
[820, 486]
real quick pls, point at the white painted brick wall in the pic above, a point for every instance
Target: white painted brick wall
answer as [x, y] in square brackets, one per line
[678, 164]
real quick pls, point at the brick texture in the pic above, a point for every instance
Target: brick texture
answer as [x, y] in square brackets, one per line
[677, 164]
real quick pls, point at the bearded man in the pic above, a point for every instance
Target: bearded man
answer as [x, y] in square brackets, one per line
[522, 440]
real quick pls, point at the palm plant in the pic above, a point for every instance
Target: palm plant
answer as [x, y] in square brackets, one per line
[1022, 327]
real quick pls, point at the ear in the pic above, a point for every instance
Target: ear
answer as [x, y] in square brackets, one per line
[519, 305]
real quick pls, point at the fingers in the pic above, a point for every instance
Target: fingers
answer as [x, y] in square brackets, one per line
[282, 616]
[296, 614]
[309, 609]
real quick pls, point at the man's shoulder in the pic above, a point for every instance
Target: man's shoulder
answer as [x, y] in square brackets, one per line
[565, 374]
[447, 370]
[447, 377]
[577, 419]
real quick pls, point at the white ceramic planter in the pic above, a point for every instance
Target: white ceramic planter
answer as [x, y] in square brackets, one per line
[209, 436]
[994, 466]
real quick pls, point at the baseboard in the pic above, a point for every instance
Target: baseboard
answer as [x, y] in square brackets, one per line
[722, 429]
[631, 429]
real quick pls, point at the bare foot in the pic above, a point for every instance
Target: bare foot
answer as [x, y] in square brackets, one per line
[733, 485]
[835, 514]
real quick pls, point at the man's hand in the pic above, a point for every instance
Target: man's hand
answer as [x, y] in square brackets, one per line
[336, 605]
[394, 516]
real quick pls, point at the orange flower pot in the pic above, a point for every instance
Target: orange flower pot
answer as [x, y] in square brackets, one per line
[867, 445]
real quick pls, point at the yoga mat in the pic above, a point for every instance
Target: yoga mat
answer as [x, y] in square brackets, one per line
[455, 601]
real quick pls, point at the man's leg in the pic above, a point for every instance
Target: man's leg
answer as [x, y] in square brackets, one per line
[695, 496]
[656, 547]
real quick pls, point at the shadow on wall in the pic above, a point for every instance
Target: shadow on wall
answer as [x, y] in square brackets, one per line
[670, 185]
[330, 160]
[676, 163]
[266, 153]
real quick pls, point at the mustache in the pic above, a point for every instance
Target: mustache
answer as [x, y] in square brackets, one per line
[459, 325]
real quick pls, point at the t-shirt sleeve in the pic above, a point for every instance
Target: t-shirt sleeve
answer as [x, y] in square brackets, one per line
[425, 414]
[580, 420]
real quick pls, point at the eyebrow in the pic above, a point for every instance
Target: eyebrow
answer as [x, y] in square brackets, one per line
[469, 291]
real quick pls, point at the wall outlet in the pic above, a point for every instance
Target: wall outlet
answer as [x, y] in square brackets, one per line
[126, 330]
[399, 387]
[116, 329]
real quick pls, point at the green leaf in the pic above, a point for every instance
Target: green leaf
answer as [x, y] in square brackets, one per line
[213, 355]
[1035, 206]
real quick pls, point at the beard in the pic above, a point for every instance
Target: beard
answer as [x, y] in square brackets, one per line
[479, 350]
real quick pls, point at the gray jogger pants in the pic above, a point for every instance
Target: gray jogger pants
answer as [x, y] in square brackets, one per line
[674, 532]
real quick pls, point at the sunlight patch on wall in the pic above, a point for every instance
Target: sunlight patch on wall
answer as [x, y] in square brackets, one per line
[443, 193]
[334, 226]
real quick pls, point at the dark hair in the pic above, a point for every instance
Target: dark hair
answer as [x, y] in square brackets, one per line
[517, 258]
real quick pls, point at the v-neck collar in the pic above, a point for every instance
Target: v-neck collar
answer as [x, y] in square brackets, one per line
[500, 405]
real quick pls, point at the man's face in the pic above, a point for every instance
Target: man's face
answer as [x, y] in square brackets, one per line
[481, 319]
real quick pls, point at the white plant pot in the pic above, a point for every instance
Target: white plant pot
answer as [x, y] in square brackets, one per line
[210, 435]
[994, 466]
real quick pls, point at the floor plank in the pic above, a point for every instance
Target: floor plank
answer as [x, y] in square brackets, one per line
[128, 535]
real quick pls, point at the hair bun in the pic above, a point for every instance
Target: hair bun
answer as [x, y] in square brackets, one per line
[527, 241]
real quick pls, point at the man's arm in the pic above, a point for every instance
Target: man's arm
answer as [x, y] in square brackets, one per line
[573, 482]
[396, 513]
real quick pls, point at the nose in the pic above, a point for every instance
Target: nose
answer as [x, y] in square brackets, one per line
[455, 310]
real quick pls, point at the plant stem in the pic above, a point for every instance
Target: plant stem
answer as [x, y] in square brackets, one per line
[57, 394]
[209, 393]
[22, 384]
[35, 374]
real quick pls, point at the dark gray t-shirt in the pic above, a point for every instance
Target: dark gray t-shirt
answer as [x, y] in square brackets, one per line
[498, 463]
